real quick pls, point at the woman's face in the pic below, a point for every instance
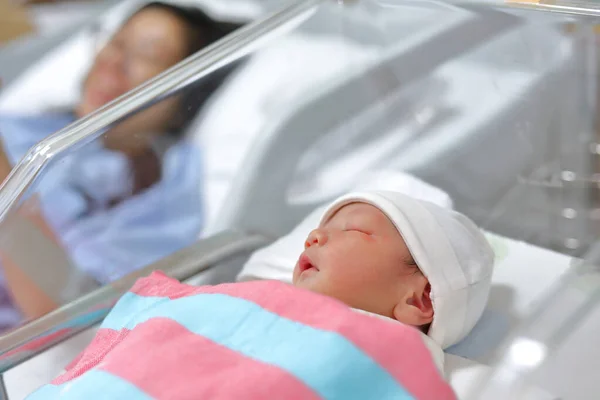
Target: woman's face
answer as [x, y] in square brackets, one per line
[149, 43]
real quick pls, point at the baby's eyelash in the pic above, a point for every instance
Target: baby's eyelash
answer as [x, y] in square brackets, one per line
[357, 230]
[413, 268]
[411, 261]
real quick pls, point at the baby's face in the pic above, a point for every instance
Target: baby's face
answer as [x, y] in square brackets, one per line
[359, 258]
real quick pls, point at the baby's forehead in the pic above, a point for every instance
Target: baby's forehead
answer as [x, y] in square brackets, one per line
[376, 220]
[360, 210]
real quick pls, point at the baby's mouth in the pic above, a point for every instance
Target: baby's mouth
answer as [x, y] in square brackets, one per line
[305, 264]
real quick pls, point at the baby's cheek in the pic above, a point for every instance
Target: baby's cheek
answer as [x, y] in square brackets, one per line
[362, 265]
[349, 263]
[374, 281]
[353, 274]
[344, 265]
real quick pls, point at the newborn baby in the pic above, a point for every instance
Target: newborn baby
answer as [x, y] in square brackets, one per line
[402, 258]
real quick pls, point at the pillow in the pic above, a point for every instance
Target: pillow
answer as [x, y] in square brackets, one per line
[277, 261]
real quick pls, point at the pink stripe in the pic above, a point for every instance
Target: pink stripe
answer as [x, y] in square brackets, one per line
[373, 335]
[104, 341]
[182, 365]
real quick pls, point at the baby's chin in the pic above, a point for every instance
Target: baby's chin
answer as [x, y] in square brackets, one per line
[305, 280]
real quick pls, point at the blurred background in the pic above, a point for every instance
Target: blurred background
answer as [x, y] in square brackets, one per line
[21, 19]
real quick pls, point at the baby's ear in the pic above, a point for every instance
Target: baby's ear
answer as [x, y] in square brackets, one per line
[416, 308]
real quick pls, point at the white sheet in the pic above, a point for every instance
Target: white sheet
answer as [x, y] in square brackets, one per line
[464, 375]
[522, 273]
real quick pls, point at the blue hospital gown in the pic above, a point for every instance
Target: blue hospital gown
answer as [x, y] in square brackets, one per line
[108, 243]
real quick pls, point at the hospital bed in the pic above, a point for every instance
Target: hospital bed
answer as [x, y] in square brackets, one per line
[354, 124]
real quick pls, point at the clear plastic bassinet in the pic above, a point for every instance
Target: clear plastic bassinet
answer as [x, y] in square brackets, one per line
[494, 103]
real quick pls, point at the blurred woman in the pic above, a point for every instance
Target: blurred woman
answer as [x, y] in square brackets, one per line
[132, 197]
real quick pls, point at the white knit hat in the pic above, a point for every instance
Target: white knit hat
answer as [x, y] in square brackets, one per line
[450, 251]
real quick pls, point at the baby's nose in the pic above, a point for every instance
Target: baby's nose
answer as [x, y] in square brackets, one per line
[316, 237]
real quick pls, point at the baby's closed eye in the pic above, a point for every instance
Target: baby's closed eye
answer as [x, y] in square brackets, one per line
[359, 230]
[409, 260]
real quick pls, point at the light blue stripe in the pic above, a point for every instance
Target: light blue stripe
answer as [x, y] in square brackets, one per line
[128, 308]
[94, 384]
[325, 361]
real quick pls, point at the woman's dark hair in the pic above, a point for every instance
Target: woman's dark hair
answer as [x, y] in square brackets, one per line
[202, 31]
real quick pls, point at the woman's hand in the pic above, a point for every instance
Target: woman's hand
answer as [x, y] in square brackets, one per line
[26, 244]
[31, 209]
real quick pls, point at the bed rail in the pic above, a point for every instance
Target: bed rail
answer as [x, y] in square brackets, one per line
[31, 339]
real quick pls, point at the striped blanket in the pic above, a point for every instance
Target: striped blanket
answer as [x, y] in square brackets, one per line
[253, 340]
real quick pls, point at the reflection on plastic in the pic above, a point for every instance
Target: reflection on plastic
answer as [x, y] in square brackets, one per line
[527, 353]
